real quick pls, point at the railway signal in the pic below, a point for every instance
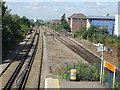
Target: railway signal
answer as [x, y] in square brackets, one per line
[101, 49]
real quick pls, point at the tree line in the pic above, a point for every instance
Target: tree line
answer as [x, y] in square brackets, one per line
[13, 28]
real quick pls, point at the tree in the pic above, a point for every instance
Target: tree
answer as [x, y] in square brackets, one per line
[11, 28]
[4, 8]
[25, 21]
[64, 24]
[82, 30]
[63, 18]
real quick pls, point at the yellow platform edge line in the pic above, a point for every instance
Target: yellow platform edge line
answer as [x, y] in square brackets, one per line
[58, 84]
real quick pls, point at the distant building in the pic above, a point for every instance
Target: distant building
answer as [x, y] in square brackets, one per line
[117, 25]
[40, 21]
[55, 22]
[103, 22]
[77, 21]
[35, 20]
[31, 20]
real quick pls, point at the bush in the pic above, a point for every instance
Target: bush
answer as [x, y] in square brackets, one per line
[84, 35]
[59, 28]
[84, 72]
[116, 85]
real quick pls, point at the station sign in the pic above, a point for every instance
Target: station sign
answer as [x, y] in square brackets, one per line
[109, 66]
[73, 74]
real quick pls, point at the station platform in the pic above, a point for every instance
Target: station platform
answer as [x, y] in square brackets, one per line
[51, 83]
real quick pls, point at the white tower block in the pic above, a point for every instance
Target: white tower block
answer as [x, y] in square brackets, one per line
[71, 21]
[88, 24]
[35, 20]
[117, 25]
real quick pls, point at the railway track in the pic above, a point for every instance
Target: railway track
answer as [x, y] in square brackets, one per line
[79, 49]
[83, 52]
[11, 67]
[13, 73]
[75, 47]
[24, 66]
[19, 54]
[35, 73]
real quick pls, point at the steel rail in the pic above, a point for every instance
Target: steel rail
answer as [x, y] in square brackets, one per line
[14, 57]
[15, 73]
[88, 53]
[38, 85]
[29, 66]
[76, 50]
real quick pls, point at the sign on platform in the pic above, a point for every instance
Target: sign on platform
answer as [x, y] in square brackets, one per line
[109, 66]
[73, 74]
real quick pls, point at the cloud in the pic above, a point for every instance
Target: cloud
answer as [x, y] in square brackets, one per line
[100, 8]
[50, 10]
[61, 0]
[96, 5]
[69, 8]
[27, 6]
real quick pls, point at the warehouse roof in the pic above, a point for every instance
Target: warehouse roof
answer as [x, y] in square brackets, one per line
[100, 17]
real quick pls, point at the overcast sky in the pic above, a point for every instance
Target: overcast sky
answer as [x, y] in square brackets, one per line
[54, 9]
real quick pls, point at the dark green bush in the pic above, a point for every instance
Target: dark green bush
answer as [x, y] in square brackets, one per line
[116, 85]
[84, 72]
[84, 35]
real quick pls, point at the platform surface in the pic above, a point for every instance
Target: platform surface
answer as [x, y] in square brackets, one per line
[51, 83]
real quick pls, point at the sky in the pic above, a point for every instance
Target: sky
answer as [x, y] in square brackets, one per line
[54, 9]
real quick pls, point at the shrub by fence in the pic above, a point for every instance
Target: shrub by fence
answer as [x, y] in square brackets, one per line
[84, 72]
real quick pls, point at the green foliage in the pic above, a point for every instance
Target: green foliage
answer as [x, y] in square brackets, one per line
[84, 35]
[12, 27]
[116, 85]
[38, 23]
[77, 34]
[25, 21]
[84, 72]
[63, 26]
[59, 28]
[81, 32]
[103, 77]
[96, 34]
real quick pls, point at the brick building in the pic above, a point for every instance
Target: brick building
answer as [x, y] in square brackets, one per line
[77, 21]
[55, 22]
